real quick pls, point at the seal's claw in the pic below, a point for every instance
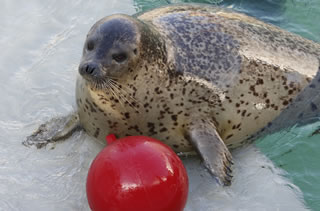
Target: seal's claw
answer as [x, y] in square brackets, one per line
[227, 174]
[39, 138]
[221, 168]
[33, 141]
[54, 130]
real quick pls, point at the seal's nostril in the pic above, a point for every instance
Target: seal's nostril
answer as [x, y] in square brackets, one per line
[88, 69]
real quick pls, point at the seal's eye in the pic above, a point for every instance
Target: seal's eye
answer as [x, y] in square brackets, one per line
[119, 57]
[90, 45]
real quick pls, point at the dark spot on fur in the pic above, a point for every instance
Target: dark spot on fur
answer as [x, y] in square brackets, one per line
[229, 136]
[127, 115]
[300, 115]
[251, 88]
[157, 90]
[136, 128]
[259, 81]
[183, 91]
[313, 106]
[174, 117]
[151, 127]
[96, 133]
[163, 130]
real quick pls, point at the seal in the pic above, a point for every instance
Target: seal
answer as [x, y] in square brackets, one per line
[195, 76]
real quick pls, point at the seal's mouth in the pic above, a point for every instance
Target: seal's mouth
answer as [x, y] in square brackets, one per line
[98, 83]
[92, 73]
[112, 86]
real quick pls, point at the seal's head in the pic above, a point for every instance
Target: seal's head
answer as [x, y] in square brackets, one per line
[111, 49]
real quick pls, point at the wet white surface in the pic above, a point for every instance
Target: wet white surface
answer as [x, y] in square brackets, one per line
[41, 44]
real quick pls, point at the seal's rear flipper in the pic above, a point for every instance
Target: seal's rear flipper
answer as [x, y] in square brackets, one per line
[304, 109]
[216, 156]
[54, 130]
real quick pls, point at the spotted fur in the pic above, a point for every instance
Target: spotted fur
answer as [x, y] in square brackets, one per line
[205, 63]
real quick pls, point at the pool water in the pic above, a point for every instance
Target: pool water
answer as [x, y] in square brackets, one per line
[41, 44]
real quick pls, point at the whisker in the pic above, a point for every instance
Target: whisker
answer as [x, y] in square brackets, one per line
[125, 91]
[112, 88]
[98, 84]
[126, 96]
[118, 91]
[122, 85]
[123, 97]
[126, 100]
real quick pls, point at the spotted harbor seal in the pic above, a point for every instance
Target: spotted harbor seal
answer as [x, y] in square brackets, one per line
[194, 76]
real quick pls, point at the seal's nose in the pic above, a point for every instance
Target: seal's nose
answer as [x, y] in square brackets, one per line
[89, 69]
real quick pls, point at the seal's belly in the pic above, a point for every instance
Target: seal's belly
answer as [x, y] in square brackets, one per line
[101, 115]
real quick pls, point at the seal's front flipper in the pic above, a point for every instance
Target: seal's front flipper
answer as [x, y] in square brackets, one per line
[216, 156]
[54, 130]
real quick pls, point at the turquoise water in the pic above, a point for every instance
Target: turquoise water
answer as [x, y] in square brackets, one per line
[294, 149]
[297, 152]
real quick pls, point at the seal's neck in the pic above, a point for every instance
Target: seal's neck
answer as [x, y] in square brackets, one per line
[153, 45]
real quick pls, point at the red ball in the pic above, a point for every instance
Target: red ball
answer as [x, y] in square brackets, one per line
[137, 173]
